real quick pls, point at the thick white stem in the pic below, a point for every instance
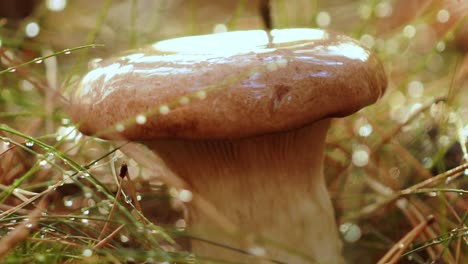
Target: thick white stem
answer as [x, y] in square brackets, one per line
[270, 185]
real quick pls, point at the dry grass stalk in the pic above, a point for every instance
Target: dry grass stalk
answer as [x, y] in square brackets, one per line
[103, 242]
[22, 231]
[394, 254]
[114, 206]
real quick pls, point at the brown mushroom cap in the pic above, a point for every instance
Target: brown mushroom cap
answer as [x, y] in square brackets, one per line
[228, 85]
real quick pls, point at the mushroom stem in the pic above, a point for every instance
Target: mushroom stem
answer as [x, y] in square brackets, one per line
[270, 185]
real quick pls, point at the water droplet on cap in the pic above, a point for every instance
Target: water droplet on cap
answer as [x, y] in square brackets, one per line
[140, 119]
[164, 109]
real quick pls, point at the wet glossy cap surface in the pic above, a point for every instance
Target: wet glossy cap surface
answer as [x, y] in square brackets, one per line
[227, 85]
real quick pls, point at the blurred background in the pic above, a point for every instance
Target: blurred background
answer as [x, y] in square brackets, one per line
[417, 132]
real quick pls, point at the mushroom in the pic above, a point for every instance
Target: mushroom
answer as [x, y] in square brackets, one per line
[243, 122]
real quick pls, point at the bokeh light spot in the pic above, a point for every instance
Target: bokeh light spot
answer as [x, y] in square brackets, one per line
[323, 19]
[32, 29]
[56, 5]
[409, 31]
[443, 16]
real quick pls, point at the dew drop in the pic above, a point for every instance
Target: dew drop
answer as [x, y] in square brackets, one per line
[29, 144]
[40, 257]
[323, 19]
[164, 109]
[67, 51]
[38, 61]
[351, 232]
[443, 16]
[220, 28]
[56, 5]
[365, 11]
[140, 119]
[150, 260]
[184, 100]
[409, 31]
[29, 225]
[43, 163]
[365, 130]
[84, 175]
[200, 95]
[119, 127]
[66, 133]
[124, 239]
[185, 196]
[415, 89]
[11, 69]
[257, 251]
[27, 85]
[384, 9]
[367, 40]
[103, 210]
[440, 46]
[68, 202]
[360, 156]
[65, 121]
[87, 252]
[402, 203]
[32, 29]
[448, 180]
[444, 140]
[91, 203]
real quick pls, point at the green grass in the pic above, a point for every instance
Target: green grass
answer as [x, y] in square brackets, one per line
[59, 188]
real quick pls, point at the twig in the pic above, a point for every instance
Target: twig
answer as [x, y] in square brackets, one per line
[394, 254]
[132, 191]
[455, 172]
[22, 231]
[114, 206]
[103, 242]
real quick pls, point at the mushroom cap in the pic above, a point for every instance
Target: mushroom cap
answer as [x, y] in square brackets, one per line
[227, 85]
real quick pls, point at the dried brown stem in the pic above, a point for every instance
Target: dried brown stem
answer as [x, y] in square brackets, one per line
[394, 254]
[22, 231]
[111, 213]
[103, 242]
